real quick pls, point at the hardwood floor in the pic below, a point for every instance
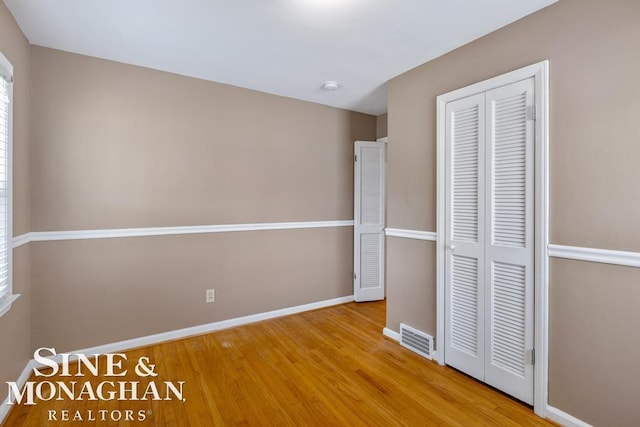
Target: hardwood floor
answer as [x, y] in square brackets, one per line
[330, 367]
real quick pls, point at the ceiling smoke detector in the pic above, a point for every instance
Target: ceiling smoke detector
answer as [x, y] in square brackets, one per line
[330, 86]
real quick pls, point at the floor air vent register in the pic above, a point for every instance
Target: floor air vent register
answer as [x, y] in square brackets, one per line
[416, 341]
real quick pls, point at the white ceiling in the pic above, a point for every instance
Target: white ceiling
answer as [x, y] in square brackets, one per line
[284, 47]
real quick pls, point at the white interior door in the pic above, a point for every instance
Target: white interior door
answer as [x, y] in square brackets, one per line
[369, 220]
[489, 260]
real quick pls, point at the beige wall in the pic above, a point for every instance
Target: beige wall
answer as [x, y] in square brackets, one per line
[594, 353]
[381, 126]
[93, 292]
[592, 48]
[121, 146]
[595, 104]
[15, 327]
[409, 262]
[117, 146]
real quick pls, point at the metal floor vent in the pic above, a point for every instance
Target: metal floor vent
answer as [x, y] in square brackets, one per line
[416, 341]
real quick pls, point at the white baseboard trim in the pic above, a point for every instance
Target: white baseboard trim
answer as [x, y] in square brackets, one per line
[390, 333]
[204, 329]
[21, 381]
[606, 256]
[555, 414]
[411, 234]
[46, 236]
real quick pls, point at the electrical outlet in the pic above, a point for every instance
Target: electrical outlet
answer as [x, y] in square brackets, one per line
[211, 295]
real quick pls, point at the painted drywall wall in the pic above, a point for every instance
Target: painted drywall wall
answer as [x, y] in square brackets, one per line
[15, 329]
[593, 359]
[381, 126]
[122, 146]
[115, 289]
[595, 104]
[411, 265]
[118, 146]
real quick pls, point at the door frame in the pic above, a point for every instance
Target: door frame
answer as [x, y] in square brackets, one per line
[540, 73]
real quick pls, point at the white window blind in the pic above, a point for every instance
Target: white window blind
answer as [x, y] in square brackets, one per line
[6, 296]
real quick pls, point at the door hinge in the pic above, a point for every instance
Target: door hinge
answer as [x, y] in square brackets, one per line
[533, 112]
[355, 158]
[533, 356]
[354, 276]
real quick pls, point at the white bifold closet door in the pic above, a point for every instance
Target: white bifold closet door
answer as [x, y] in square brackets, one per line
[369, 221]
[464, 262]
[490, 237]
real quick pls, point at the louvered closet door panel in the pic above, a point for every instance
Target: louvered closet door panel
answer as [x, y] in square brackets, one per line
[371, 208]
[369, 222]
[370, 260]
[465, 179]
[464, 296]
[509, 251]
[464, 304]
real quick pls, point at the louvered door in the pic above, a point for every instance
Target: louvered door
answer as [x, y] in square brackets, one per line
[465, 235]
[489, 237]
[509, 251]
[369, 221]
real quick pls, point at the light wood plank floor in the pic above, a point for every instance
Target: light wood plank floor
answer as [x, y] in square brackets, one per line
[330, 367]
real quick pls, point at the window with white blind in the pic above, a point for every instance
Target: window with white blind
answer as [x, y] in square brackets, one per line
[6, 85]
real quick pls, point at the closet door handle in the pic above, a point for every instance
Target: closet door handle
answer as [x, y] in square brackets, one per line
[452, 248]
